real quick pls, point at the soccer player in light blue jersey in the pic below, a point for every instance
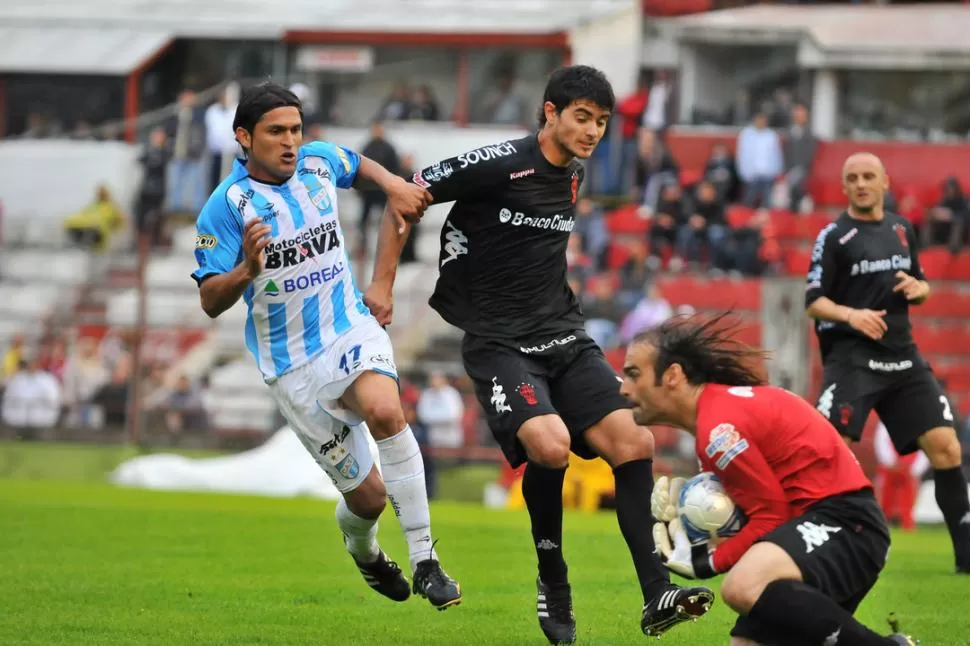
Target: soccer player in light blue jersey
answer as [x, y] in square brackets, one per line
[270, 234]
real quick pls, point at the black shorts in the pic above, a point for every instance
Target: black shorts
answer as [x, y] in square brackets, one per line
[909, 402]
[840, 544]
[566, 375]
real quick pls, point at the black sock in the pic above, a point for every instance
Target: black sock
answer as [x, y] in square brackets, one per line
[634, 484]
[542, 490]
[792, 608]
[951, 496]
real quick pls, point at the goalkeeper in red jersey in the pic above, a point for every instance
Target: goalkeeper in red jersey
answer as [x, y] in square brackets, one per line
[815, 540]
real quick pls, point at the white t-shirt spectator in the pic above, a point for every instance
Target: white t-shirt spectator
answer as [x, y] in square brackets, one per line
[32, 399]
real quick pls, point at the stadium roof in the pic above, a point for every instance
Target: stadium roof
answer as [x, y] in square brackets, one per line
[860, 36]
[74, 50]
[273, 18]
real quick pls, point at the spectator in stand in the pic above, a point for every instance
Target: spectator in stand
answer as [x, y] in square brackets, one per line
[755, 248]
[603, 311]
[84, 375]
[655, 117]
[441, 409]
[424, 106]
[656, 168]
[503, 103]
[799, 156]
[220, 138]
[150, 204]
[396, 107]
[93, 226]
[759, 161]
[13, 356]
[668, 218]
[371, 196]
[31, 400]
[184, 409]
[948, 222]
[593, 232]
[782, 109]
[635, 273]
[652, 310]
[54, 358]
[630, 112]
[186, 178]
[112, 397]
[722, 173]
[705, 228]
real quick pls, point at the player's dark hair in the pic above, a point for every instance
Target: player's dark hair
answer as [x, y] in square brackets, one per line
[706, 351]
[576, 83]
[257, 100]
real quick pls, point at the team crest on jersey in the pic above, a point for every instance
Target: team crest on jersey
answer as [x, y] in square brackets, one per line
[901, 234]
[726, 442]
[845, 414]
[574, 187]
[528, 393]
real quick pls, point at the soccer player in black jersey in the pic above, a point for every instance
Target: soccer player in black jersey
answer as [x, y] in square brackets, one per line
[544, 385]
[865, 275]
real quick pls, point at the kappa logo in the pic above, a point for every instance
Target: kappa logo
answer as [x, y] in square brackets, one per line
[498, 398]
[519, 174]
[456, 243]
[825, 401]
[816, 535]
[851, 234]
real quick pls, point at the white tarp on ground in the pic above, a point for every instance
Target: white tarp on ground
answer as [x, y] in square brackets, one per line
[280, 467]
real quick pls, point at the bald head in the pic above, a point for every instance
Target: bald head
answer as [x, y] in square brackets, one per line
[865, 182]
[863, 159]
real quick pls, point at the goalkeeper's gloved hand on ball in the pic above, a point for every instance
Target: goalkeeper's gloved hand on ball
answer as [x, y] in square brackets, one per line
[691, 559]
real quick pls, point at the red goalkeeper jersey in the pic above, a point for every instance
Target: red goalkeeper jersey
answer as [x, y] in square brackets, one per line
[776, 456]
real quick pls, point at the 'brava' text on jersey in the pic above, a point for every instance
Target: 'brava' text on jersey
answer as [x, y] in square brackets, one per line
[314, 241]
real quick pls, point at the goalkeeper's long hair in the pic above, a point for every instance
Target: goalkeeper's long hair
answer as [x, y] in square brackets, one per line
[707, 351]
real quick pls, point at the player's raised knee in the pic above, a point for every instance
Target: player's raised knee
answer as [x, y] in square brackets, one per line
[550, 452]
[740, 591]
[369, 498]
[942, 447]
[384, 417]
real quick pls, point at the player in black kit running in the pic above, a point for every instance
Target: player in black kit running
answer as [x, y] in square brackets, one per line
[545, 386]
[865, 274]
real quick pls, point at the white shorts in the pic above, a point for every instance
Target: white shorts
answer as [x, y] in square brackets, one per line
[308, 397]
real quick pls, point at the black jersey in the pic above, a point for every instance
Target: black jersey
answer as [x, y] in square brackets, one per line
[502, 266]
[854, 263]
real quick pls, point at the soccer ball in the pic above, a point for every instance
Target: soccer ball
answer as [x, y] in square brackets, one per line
[706, 510]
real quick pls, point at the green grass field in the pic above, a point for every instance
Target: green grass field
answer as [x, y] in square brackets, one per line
[88, 563]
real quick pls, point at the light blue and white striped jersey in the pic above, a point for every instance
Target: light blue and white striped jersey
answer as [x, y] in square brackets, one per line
[305, 297]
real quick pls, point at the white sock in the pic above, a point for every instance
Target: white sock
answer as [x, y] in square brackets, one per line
[403, 471]
[360, 534]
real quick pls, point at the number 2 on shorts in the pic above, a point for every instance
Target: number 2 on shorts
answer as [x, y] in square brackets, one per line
[947, 413]
[350, 361]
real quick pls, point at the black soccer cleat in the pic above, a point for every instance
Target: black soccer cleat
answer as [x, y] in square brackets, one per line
[898, 637]
[673, 606]
[554, 605]
[432, 583]
[386, 577]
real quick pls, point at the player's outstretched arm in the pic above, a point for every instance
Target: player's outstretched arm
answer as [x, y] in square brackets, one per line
[378, 297]
[404, 199]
